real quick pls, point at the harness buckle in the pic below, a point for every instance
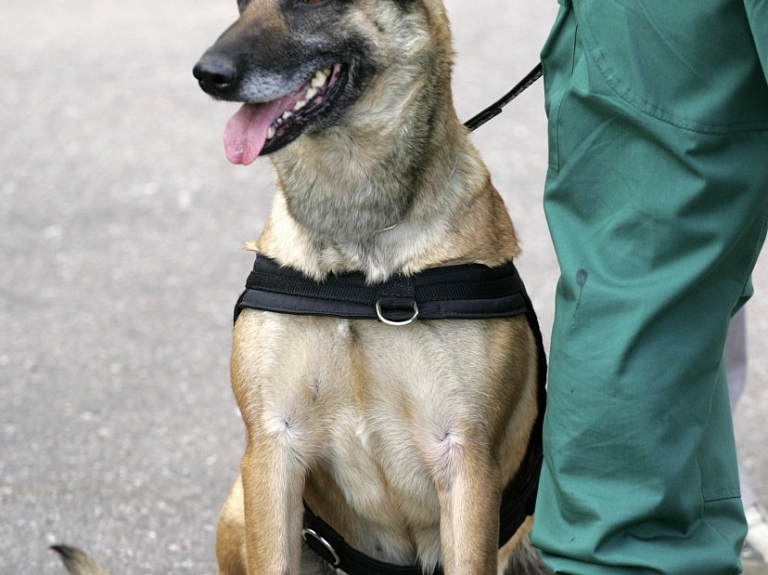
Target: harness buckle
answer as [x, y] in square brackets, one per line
[409, 321]
[321, 547]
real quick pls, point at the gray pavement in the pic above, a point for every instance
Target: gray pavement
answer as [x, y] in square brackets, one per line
[120, 231]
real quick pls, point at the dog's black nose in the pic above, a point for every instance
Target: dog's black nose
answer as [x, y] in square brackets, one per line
[215, 73]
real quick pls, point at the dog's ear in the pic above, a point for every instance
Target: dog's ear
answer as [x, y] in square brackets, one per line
[77, 562]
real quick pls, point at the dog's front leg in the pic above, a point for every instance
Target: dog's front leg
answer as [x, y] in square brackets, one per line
[469, 493]
[273, 483]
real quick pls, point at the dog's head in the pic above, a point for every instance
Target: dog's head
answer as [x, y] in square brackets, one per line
[300, 66]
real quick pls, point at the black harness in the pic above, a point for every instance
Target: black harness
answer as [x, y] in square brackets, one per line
[471, 291]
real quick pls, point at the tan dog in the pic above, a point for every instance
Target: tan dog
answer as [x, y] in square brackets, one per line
[401, 438]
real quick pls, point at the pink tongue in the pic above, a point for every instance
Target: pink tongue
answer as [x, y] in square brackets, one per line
[246, 131]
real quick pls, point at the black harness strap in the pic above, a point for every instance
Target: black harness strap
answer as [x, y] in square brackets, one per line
[332, 549]
[471, 291]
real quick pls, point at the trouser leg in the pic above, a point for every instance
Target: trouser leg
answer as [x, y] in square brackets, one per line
[656, 239]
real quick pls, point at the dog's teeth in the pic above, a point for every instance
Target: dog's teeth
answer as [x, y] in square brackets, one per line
[271, 133]
[311, 93]
[299, 105]
[287, 115]
[320, 79]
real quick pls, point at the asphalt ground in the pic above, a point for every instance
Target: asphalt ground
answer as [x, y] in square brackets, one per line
[121, 226]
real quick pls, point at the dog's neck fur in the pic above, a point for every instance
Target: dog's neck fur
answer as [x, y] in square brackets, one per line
[343, 190]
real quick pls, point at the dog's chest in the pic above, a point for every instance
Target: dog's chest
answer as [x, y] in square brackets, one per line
[380, 407]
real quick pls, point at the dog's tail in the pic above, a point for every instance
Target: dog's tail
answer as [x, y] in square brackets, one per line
[77, 562]
[526, 561]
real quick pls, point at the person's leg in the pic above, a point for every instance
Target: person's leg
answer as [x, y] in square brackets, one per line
[736, 372]
[657, 217]
[735, 357]
[757, 517]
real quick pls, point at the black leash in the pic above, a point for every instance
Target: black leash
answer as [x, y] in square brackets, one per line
[495, 109]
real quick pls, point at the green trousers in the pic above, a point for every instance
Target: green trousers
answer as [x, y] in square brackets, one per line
[656, 199]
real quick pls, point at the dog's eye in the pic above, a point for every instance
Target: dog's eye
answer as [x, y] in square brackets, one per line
[314, 2]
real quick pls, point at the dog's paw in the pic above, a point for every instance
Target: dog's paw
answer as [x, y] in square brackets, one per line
[77, 562]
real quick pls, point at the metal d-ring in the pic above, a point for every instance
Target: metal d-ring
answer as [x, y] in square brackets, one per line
[397, 323]
[328, 547]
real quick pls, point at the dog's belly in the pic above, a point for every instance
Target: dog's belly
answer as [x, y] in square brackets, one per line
[380, 416]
